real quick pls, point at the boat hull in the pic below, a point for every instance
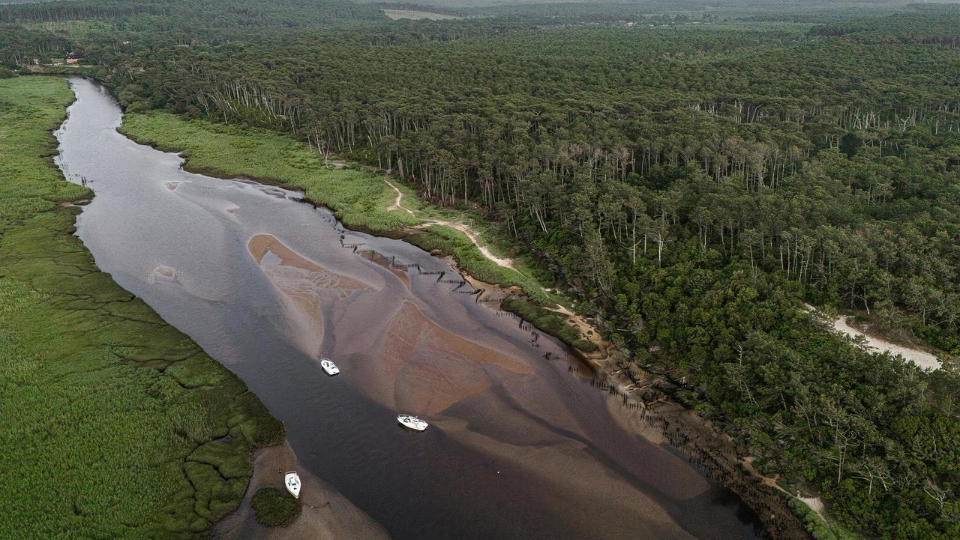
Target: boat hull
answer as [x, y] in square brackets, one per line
[412, 422]
[329, 367]
[292, 482]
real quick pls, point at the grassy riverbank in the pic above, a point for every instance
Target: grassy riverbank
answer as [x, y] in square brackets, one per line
[116, 425]
[453, 242]
[550, 322]
[358, 197]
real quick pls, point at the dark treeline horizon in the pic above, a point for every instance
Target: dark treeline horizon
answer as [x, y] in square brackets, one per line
[647, 5]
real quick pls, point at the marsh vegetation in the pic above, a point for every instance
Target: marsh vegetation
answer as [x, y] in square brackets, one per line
[274, 508]
[115, 423]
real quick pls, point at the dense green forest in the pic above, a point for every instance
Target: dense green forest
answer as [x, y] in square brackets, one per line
[690, 178]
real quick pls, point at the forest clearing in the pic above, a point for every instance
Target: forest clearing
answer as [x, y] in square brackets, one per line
[397, 14]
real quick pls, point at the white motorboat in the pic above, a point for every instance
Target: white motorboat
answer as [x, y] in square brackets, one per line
[329, 366]
[292, 481]
[412, 422]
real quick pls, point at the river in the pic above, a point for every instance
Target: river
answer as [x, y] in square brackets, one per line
[520, 446]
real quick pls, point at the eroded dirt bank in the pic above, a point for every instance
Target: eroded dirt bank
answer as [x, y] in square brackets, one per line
[639, 401]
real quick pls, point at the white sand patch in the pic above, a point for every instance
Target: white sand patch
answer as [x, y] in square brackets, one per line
[872, 344]
[397, 14]
[815, 504]
[918, 357]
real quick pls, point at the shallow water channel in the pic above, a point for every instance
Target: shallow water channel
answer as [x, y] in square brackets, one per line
[520, 446]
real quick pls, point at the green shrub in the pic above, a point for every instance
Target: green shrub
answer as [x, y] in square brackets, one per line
[274, 508]
[585, 345]
[816, 526]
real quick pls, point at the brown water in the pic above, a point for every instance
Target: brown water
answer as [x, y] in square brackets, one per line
[519, 447]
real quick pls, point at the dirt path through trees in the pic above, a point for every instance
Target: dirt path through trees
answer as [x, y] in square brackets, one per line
[815, 503]
[472, 235]
[587, 330]
[397, 205]
[918, 357]
[921, 358]
[458, 225]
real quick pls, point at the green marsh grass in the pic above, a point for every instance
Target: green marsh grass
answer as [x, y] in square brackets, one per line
[274, 508]
[358, 197]
[550, 322]
[453, 242]
[115, 425]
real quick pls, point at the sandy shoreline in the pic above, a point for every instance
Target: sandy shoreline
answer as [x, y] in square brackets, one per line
[326, 513]
[663, 421]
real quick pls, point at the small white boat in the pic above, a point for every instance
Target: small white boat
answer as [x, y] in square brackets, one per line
[329, 366]
[412, 422]
[292, 481]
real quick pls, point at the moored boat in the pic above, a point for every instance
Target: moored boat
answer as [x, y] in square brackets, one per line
[412, 422]
[329, 366]
[292, 482]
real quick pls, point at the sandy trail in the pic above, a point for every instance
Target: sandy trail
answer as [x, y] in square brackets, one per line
[587, 330]
[815, 503]
[921, 358]
[472, 235]
[918, 357]
[398, 204]
[841, 325]
[460, 226]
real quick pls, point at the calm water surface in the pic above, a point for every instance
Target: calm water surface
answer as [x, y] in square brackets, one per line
[519, 446]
